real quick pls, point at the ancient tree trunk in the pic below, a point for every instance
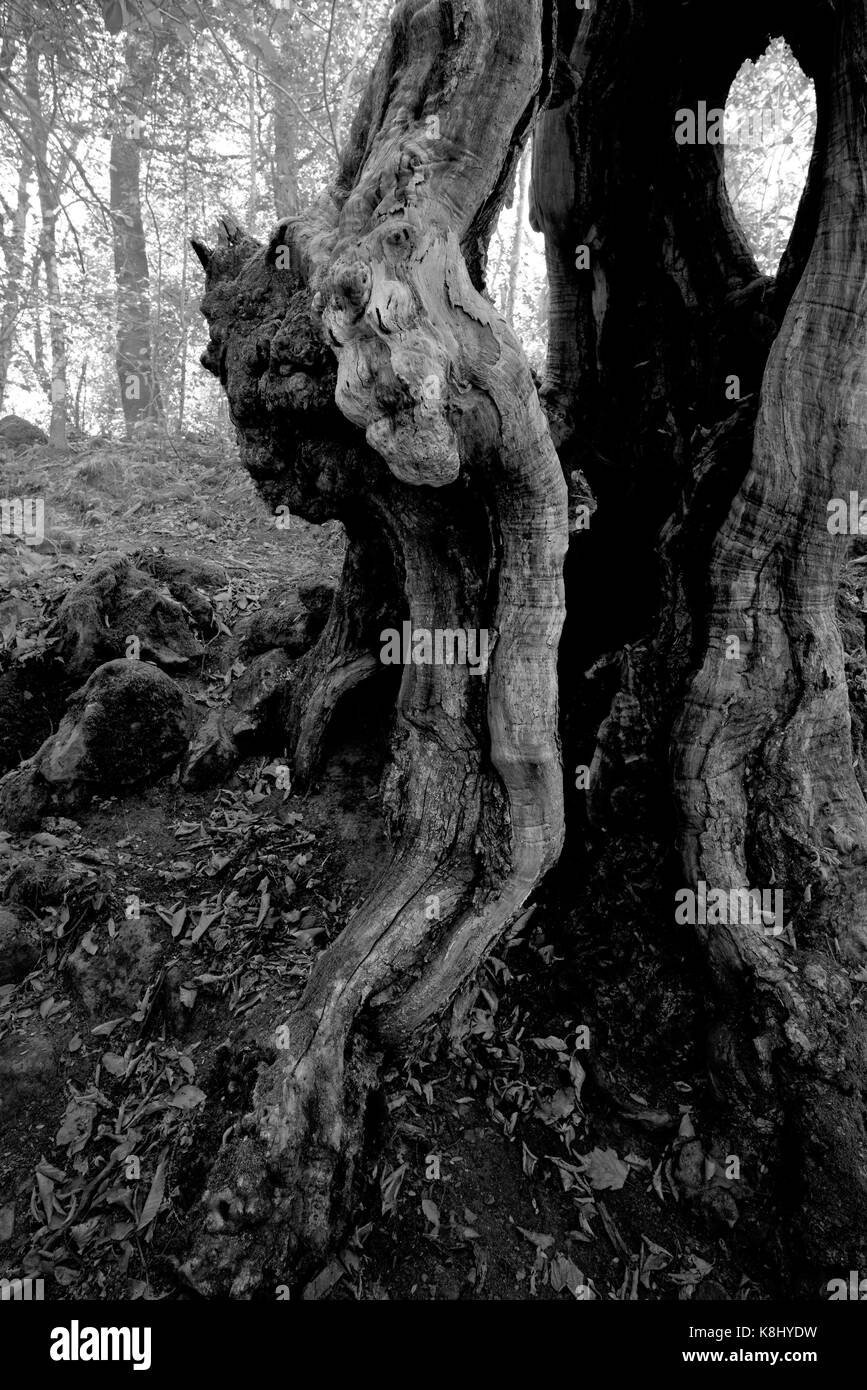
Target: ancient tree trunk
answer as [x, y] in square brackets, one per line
[139, 388]
[696, 442]
[764, 773]
[449, 479]
[712, 464]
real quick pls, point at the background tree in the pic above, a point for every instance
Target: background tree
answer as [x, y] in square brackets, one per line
[139, 388]
[148, 110]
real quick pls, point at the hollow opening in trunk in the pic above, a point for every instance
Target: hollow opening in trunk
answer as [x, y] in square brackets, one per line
[517, 275]
[357, 742]
[769, 127]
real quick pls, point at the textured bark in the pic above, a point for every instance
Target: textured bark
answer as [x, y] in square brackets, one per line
[764, 771]
[454, 486]
[764, 791]
[456, 508]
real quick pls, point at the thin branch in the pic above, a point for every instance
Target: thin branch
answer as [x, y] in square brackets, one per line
[235, 63]
[52, 134]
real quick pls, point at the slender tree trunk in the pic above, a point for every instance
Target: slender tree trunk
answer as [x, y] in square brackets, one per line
[517, 238]
[284, 168]
[49, 188]
[183, 314]
[252, 146]
[80, 392]
[37, 358]
[16, 29]
[137, 380]
[13, 251]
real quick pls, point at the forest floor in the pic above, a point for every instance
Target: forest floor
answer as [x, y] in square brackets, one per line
[555, 1151]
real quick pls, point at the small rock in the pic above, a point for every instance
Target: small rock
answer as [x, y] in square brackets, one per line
[689, 1169]
[185, 579]
[18, 433]
[24, 798]
[27, 1065]
[114, 978]
[720, 1207]
[37, 881]
[57, 540]
[230, 732]
[116, 601]
[710, 1292]
[127, 725]
[288, 618]
[19, 948]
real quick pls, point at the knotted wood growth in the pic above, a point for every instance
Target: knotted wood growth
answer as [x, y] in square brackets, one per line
[371, 380]
[438, 459]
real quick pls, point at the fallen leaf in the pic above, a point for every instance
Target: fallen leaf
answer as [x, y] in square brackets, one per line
[389, 1186]
[77, 1124]
[84, 1231]
[187, 1098]
[155, 1196]
[46, 1194]
[566, 1275]
[561, 1105]
[7, 1221]
[577, 1073]
[538, 1238]
[203, 923]
[571, 1175]
[604, 1169]
[325, 1280]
